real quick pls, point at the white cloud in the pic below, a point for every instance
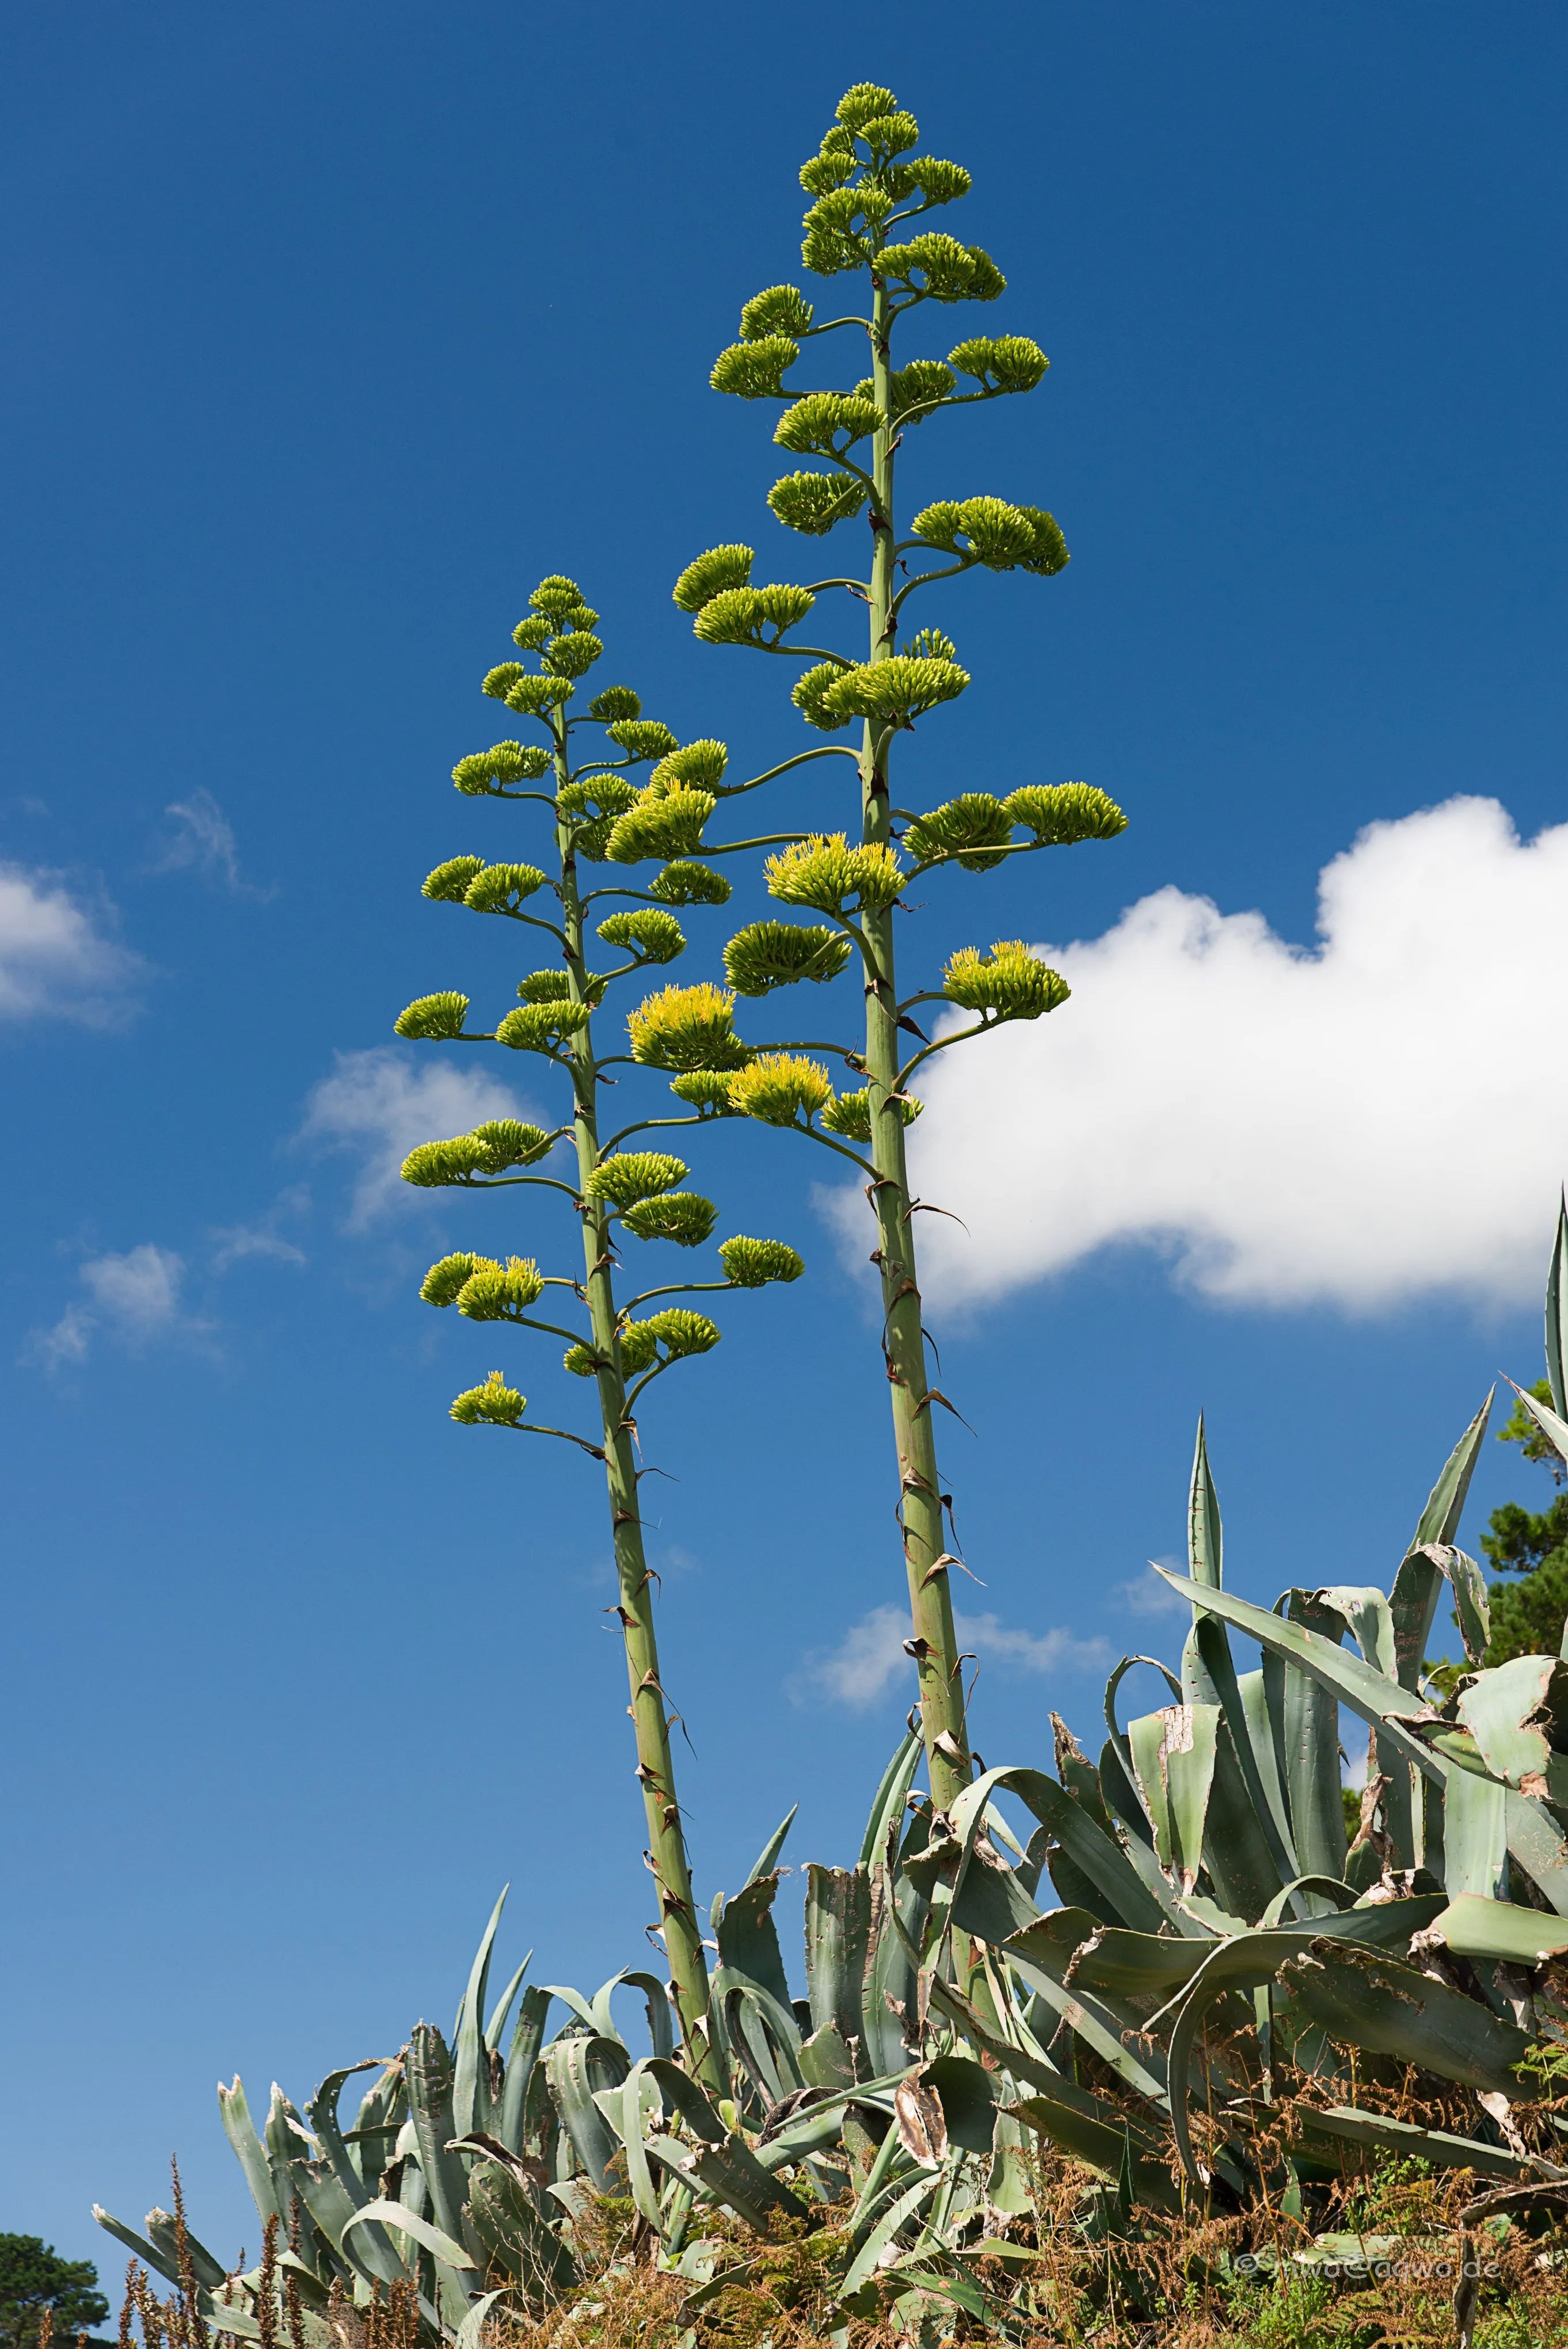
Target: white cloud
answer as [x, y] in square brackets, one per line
[205, 844]
[379, 1103]
[54, 955]
[135, 1295]
[233, 1242]
[1356, 1125]
[870, 1657]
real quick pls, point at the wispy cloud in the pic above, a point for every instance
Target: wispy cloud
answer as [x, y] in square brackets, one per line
[869, 1658]
[57, 957]
[233, 1242]
[204, 843]
[379, 1103]
[135, 1295]
[1287, 1126]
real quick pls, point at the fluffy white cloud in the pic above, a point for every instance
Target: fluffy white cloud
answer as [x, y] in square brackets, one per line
[1355, 1124]
[380, 1102]
[136, 1295]
[870, 1657]
[54, 955]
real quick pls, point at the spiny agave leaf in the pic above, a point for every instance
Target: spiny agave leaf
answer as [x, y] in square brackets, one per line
[471, 2069]
[824, 2061]
[1518, 1715]
[208, 2271]
[655, 2001]
[763, 1863]
[733, 2176]
[867, 2259]
[527, 2038]
[434, 2240]
[1102, 2144]
[780, 2054]
[1366, 1612]
[891, 1795]
[1444, 2151]
[628, 2109]
[1557, 1314]
[502, 2007]
[1474, 1927]
[1554, 1430]
[137, 2245]
[331, 2206]
[1205, 1537]
[837, 1946]
[324, 2121]
[1312, 1749]
[1414, 1598]
[1102, 1861]
[573, 2068]
[684, 2096]
[749, 1942]
[1117, 2040]
[1366, 1999]
[241, 2132]
[1173, 1754]
[431, 2114]
[1475, 1836]
[1534, 1840]
[471, 2331]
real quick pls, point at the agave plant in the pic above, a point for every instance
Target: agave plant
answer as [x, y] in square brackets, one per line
[867, 187]
[614, 1194]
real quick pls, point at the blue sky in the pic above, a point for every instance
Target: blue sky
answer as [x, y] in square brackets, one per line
[332, 329]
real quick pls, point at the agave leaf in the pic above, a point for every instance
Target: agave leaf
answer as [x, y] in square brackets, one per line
[967, 2094]
[580, 2006]
[1101, 1860]
[1414, 1598]
[1534, 1840]
[889, 1977]
[1173, 1753]
[868, 2257]
[765, 2032]
[1470, 1603]
[1118, 2038]
[837, 1946]
[764, 1862]
[470, 2072]
[825, 2060]
[515, 2235]
[1368, 1999]
[527, 2038]
[574, 2067]
[1312, 1749]
[628, 2109]
[656, 2000]
[502, 2007]
[1508, 1712]
[241, 2132]
[748, 1938]
[151, 2257]
[470, 2332]
[1444, 2151]
[891, 1796]
[682, 2094]
[1557, 1314]
[1473, 1927]
[1370, 1618]
[1102, 2144]
[1475, 1836]
[733, 2176]
[1554, 1429]
[431, 2111]
[1205, 1563]
[323, 2112]
[209, 2271]
[432, 2239]
[331, 2204]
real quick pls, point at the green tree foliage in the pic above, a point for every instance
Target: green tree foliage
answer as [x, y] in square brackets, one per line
[1528, 1615]
[33, 2277]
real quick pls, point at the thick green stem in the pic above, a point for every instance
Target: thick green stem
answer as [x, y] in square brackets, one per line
[648, 1706]
[935, 1643]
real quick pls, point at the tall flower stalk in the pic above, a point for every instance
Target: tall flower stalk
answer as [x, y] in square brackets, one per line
[866, 185]
[616, 1194]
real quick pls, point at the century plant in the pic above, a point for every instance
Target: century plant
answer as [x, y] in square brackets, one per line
[581, 784]
[868, 186]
